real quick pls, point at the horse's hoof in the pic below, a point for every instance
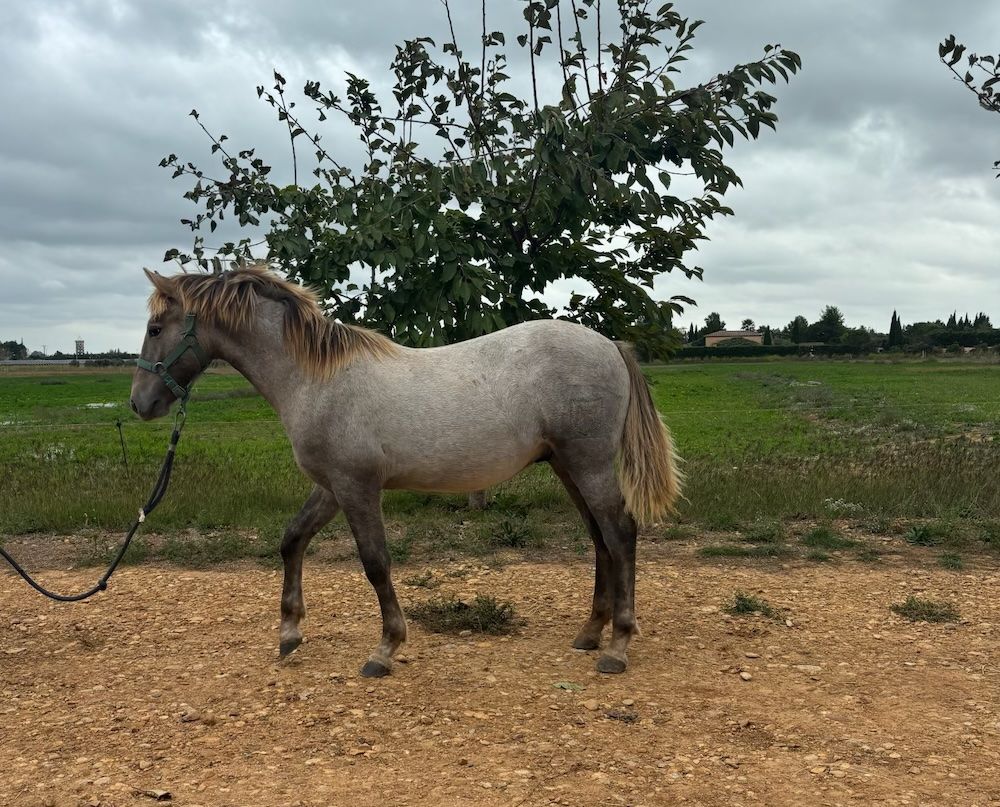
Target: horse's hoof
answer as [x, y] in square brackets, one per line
[586, 642]
[288, 646]
[374, 669]
[611, 665]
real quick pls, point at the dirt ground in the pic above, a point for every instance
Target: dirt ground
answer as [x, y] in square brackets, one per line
[169, 682]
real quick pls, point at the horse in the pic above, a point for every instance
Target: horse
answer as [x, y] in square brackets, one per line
[364, 414]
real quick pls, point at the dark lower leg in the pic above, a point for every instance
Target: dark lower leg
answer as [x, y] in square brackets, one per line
[319, 508]
[624, 627]
[589, 637]
[365, 518]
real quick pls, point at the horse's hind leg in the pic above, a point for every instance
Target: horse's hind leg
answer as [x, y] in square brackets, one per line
[319, 508]
[589, 637]
[591, 467]
[364, 513]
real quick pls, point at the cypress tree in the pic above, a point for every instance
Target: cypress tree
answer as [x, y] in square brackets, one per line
[895, 331]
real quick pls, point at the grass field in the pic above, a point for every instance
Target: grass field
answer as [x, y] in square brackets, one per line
[764, 444]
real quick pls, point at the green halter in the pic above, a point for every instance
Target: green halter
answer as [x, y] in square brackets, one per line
[189, 341]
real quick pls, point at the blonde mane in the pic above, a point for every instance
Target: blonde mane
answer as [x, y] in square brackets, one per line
[320, 345]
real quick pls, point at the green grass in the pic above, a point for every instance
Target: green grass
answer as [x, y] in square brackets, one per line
[917, 609]
[869, 554]
[483, 615]
[825, 538]
[764, 531]
[743, 604]
[926, 534]
[950, 560]
[763, 443]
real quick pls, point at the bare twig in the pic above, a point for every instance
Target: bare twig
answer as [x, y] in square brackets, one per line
[600, 73]
[582, 51]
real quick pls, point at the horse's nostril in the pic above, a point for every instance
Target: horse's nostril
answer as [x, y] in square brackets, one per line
[131, 402]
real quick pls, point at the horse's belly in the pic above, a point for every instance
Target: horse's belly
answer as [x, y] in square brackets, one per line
[461, 473]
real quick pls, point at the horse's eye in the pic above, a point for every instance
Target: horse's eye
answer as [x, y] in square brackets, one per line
[154, 331]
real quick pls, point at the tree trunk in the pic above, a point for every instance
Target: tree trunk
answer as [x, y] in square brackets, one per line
[477, 500]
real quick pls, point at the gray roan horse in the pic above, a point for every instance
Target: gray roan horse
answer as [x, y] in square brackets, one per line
[364, 414]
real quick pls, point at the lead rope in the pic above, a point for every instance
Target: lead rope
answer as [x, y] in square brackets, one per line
[159, 489]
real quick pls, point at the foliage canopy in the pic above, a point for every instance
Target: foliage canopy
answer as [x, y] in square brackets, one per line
[476, 192]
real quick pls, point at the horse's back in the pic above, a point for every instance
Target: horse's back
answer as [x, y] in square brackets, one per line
[469, 415]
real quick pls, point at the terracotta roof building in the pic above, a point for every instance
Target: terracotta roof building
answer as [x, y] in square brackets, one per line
[712, 339]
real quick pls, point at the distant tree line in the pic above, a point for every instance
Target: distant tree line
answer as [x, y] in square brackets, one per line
[830, 331]
[17, 351]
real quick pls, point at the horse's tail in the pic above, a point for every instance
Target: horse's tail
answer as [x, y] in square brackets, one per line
[650, 479]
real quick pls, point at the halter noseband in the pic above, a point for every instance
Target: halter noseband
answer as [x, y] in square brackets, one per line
[189, 341]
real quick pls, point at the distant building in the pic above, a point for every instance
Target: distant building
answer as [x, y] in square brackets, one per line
[80, 349]
[713, 339]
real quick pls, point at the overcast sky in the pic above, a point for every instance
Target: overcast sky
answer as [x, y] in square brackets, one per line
[875, 193]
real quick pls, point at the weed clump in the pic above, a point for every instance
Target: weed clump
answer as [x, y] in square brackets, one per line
[951, 560]
[925, 535]
[764, 531]
[425, 580]
[917, 609]
[825, 538]
[483, 615]
[744, 604]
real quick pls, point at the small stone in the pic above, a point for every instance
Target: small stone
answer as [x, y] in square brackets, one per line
[591, 705]
[752, 655]
[746, 676]
[812, 669]
[209, 719]
[628, 702]
[817, 770]
[190, 716]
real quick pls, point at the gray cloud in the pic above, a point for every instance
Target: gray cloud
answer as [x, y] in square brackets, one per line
[875, 193]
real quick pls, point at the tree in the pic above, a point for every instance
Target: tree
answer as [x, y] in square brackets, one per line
[768, 339]
[860, 338]
[692, 334]
[952, 321]
[797, 329]
[982, 83]
[747, 325]
[15, 350]
[829, 327]
[471, 201]
[713, 322]
[895, 332]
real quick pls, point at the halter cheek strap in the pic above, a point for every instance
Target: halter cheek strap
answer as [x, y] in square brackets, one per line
[189, 341]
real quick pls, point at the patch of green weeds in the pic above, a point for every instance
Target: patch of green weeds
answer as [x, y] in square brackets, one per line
[951, 560]
[917, 609]
[826, 538]
[483, 615]
[744, 604]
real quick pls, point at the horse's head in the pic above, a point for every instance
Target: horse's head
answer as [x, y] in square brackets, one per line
[171, 357]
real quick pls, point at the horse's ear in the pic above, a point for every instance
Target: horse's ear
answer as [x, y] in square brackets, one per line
[164, 285]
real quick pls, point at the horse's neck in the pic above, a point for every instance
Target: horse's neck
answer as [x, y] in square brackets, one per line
[260, 355]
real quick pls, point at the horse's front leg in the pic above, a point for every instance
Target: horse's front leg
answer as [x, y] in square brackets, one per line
[363, 508]
[319, 508]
